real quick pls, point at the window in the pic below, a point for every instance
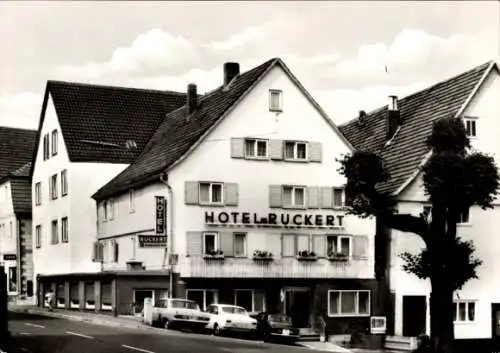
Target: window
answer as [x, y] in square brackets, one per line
[55, 233]
[464, 217]
[240, 240]
[38, 194]
[105, 210]
[53, 187]
[64, 229]
[295, 150]
[204, 297]
[464, 311]
[38, 236]
[64, 182]
[294, 196]
[275, 100]
[339, 244]
[108, 209]
[470, 127]
[249, 299]
[288, 245]
[211, 193]
[210, 242]
[338, 197]
[131, 200]
[12, 279]
[54, 142]
[255, 148]
[348, 303]
[46, 145]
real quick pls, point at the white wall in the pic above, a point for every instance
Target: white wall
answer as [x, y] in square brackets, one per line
[83, 180]
[482, 230]
[212, 161]
[8, 243]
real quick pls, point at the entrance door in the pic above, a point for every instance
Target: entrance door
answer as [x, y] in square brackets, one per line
[298, 306]
[414, 315]
[495, 326]
[139, 296]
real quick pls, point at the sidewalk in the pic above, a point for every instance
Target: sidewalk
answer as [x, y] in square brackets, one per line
[132, 322]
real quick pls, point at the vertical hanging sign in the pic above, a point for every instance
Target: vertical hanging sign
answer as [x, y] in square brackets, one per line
[161, 204]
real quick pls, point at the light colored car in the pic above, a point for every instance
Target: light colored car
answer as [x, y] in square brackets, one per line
[179, 313]
[230, 318]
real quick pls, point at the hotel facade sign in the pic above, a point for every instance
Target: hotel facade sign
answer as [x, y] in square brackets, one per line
[152, 241]
[161, 205]
[273, 219]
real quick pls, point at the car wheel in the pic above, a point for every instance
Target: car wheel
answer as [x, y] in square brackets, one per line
[216, 330]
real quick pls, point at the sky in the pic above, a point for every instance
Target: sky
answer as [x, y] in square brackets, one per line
[339, 50]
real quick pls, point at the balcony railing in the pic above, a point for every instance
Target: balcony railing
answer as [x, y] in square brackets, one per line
[277, 268]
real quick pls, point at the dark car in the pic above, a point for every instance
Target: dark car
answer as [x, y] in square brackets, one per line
[276, 327]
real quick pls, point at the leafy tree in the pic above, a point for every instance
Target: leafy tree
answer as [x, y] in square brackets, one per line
[454, 179]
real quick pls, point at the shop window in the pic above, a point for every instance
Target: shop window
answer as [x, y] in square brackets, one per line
[89, 295]
[348, 303]
[106, 302]
[251, 300]
[12, 279]
[204, 297]
[74, 295]
[60, 297]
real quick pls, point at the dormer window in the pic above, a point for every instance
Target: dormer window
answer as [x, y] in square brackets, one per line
[470, 126]
[275, 100]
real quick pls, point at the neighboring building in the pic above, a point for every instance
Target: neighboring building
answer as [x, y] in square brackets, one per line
[16, 150]
[473, 96]
[87, 135]
[246, 170]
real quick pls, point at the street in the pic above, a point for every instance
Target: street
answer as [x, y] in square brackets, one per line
[38, 334]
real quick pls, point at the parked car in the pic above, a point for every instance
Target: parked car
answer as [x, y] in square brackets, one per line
[179, 313]
[230, 319]
[276, 327]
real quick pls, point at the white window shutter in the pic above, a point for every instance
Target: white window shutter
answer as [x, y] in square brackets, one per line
[360, 246]
[319, 245]
[315, 151]
[95, 252]
[273, 242]
[326, 197]
[275, 196]
[303, 242]
[312, 197]
[231, 194]
[276, 149]
[237, 147]
[194, 243]
[227, 243]
[191, 193]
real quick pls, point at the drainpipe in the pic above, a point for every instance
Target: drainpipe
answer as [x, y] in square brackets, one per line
[170, 239]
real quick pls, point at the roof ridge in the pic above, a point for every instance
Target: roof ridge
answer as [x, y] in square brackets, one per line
[93, 85]
[428, 88]
[17, 128]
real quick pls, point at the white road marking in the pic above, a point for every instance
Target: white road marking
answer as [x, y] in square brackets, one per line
[79, 335]
[137, 349]
[25, 333]
[33, 325]
[25, 350]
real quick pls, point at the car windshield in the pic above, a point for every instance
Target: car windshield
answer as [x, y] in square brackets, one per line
[185, 304]
[280, 318]
[234, 310]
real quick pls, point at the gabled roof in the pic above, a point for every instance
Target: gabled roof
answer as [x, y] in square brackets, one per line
[97, 121]
[407, 151]
[20, 186]
[16, 148]
[180, 133]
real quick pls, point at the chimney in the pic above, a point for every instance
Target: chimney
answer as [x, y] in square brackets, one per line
[231, 70]
[192, 98]
[361, 118]
[393, 116]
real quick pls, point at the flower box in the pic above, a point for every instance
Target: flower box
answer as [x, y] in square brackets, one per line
[214, 255]
[260, 255]
[306, 256]
[338, 257]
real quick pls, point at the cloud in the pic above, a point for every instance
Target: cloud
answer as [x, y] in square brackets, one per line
[20, 110]
[412, 56]
[153, 52]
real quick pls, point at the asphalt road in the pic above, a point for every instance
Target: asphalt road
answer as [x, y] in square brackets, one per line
[39, 334]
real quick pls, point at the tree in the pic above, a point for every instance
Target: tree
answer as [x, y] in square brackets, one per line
[454, 179]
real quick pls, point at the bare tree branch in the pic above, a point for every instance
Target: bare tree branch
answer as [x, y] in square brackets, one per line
[406, 223]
